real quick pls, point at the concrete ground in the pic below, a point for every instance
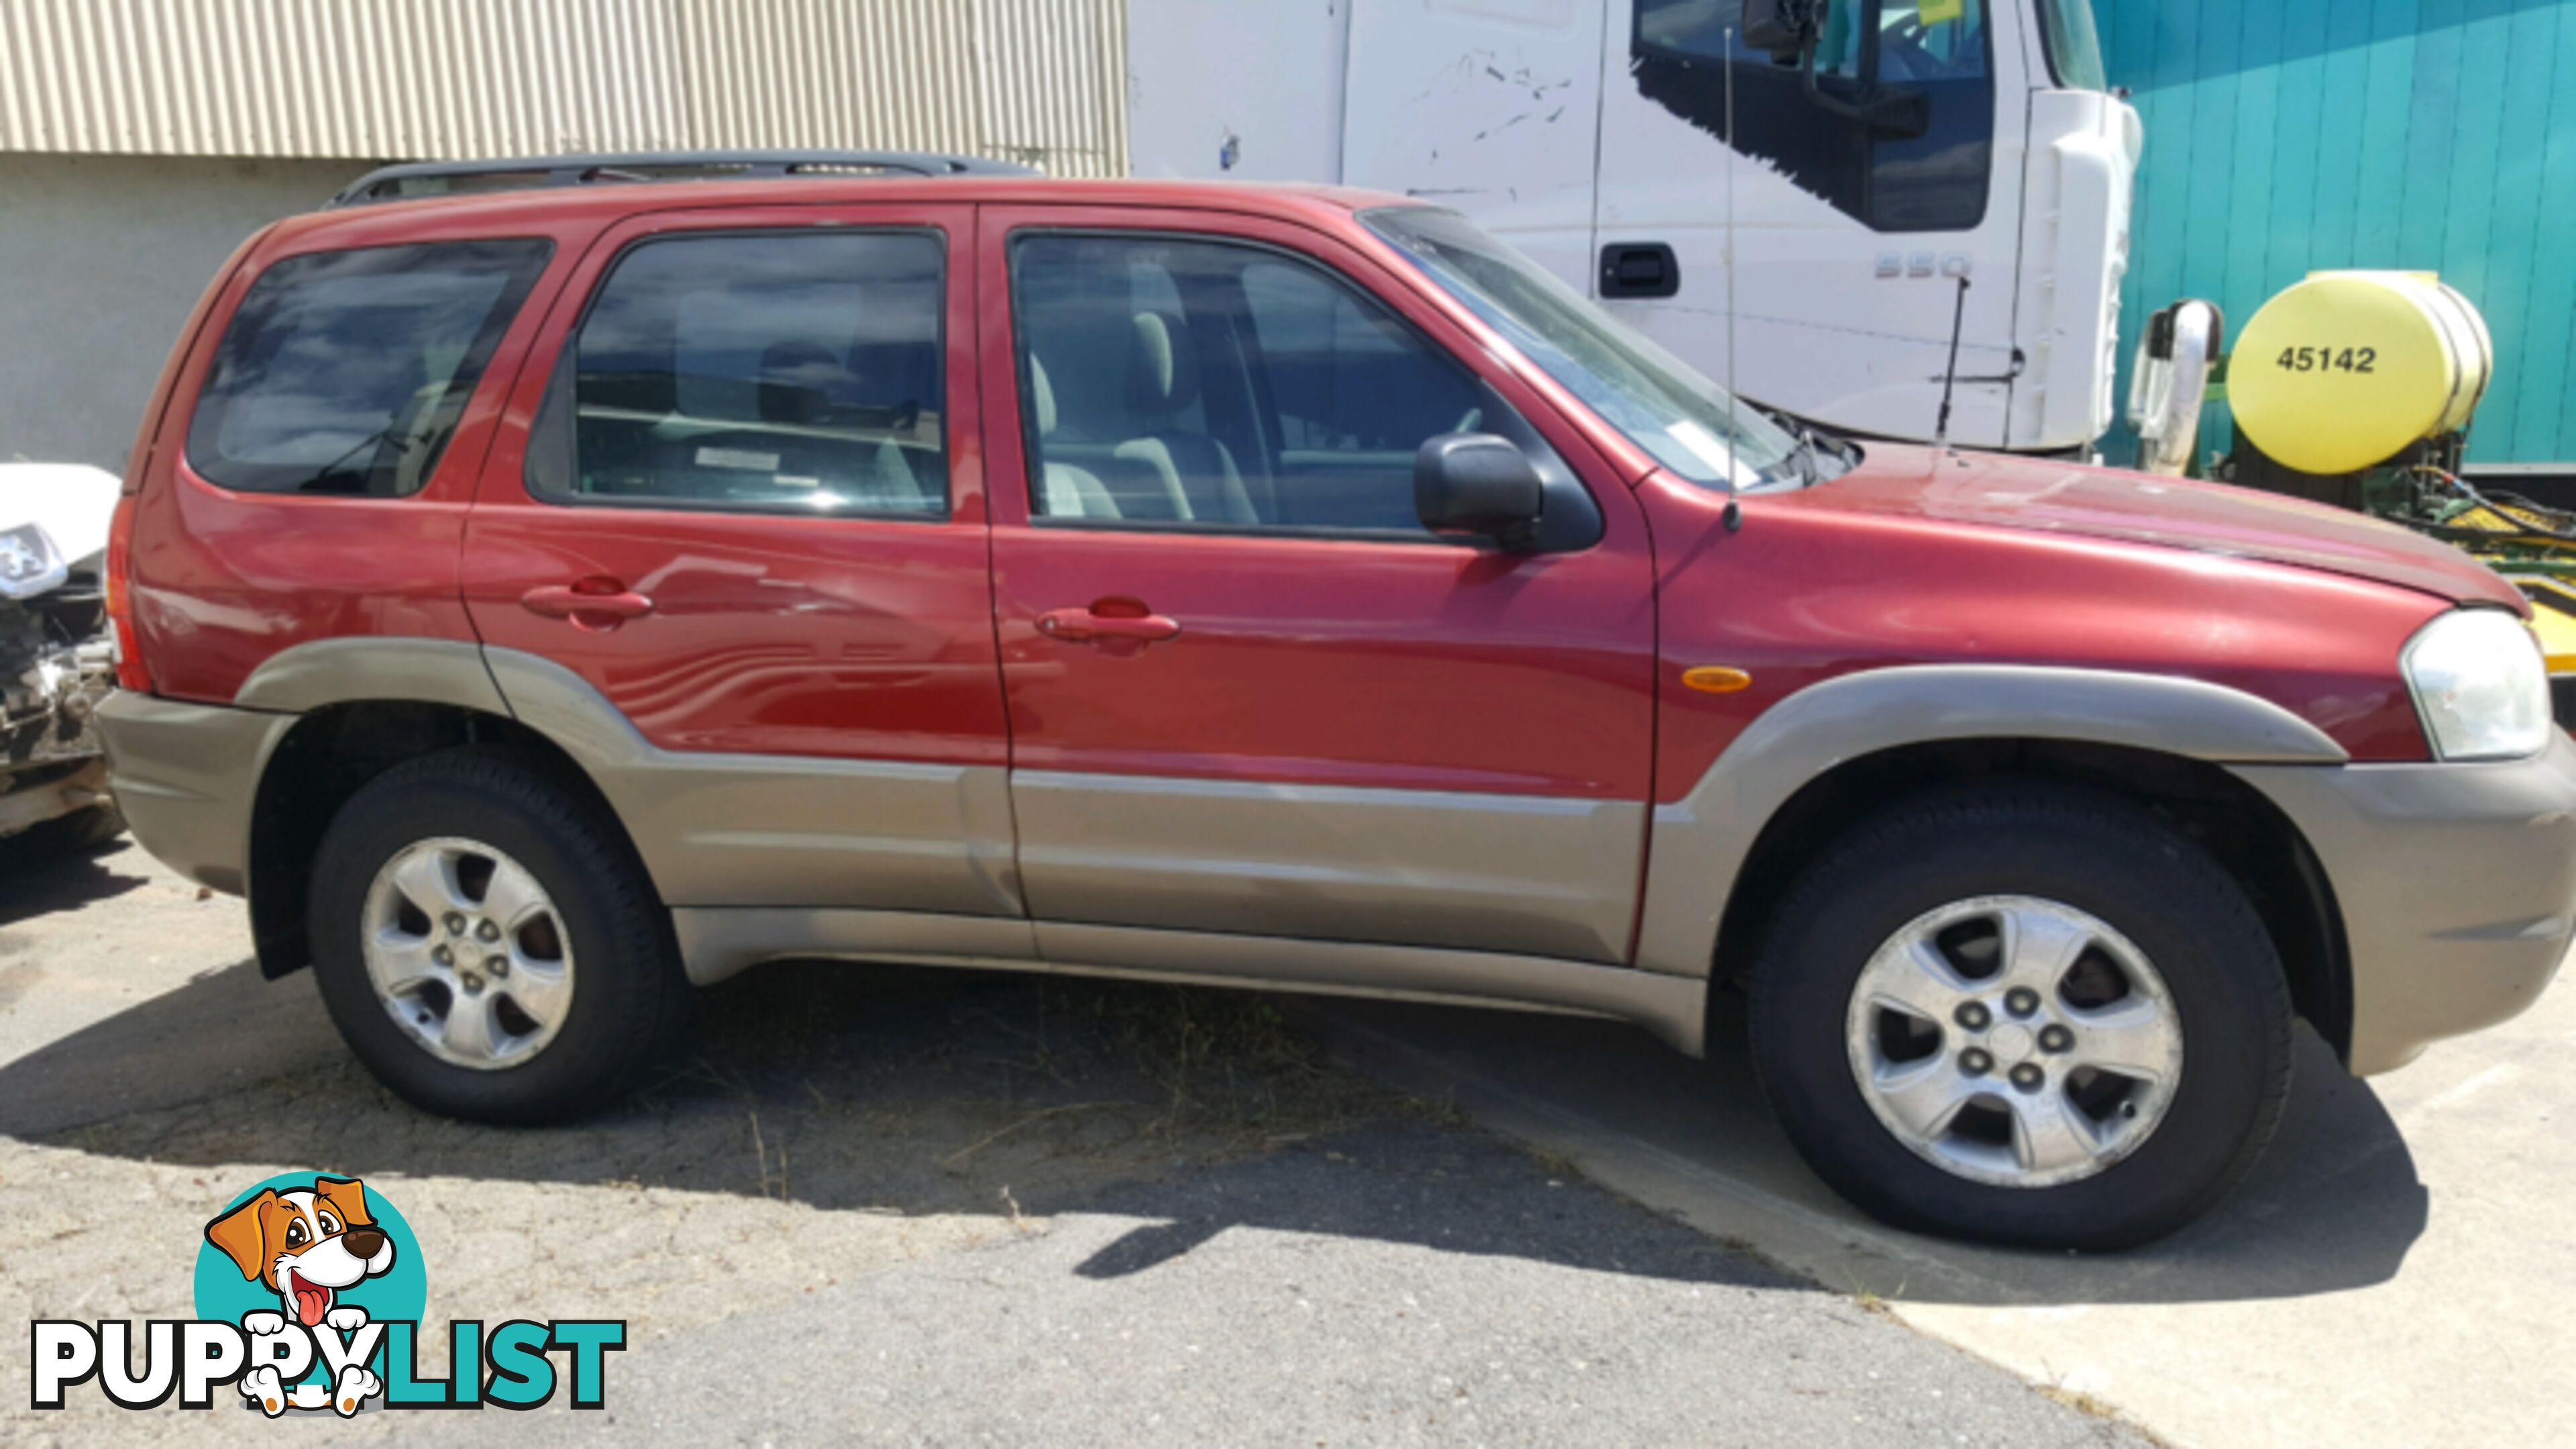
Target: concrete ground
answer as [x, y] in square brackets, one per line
[2397, 1270]
[899, 1206]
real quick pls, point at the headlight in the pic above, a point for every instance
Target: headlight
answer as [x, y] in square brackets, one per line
[2480, 685]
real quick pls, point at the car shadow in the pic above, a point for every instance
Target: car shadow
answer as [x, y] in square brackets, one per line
[38, 876]
[877, 1089]
[1424, 1183]
[890, 1089]
[2335, 1203]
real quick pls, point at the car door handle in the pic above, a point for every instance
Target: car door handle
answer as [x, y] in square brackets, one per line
[1090, 625]
[596, 604]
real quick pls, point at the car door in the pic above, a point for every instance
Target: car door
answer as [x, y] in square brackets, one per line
[1248, 692]
[735, 536]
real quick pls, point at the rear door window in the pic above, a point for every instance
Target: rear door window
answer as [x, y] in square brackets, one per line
[798, 372]
[344, 372]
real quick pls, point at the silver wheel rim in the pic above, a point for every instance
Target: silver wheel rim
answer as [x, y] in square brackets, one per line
[2015, 1041]
[467, 953]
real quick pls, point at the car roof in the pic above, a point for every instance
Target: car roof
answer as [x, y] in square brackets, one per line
[498, 211]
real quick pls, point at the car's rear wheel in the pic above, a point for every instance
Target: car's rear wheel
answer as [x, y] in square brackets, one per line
[2024, 1014]
[489, 944]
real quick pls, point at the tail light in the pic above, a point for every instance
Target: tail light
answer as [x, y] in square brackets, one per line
[130, 670]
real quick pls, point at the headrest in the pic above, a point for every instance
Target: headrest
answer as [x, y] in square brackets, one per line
[895, 372]
[1162, 367]
[797, 381]
[1041, 397]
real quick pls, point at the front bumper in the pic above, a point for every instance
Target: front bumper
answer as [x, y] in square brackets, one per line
[2457, 884]
[186, 776]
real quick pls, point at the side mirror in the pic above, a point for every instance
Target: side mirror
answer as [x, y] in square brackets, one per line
[1789, 29]
[1781, 27]
[2169, 381]
[1478, 483]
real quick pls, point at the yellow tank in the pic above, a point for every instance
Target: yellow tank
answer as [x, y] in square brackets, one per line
[2345, 369]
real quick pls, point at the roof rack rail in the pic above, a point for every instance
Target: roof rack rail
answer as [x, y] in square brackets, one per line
[434, 178]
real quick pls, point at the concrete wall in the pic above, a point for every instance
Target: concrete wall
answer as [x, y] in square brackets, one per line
[101, 258]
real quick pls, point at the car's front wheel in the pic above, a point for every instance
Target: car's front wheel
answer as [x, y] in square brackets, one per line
[2026, 1015]
[489, 944]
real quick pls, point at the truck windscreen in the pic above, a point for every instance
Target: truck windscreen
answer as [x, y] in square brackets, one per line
[2074, 46]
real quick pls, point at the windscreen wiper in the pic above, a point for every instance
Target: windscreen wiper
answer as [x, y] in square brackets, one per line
[337, 472]
[1805, 455]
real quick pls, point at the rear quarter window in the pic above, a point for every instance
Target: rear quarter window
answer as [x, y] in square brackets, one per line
[344, 372]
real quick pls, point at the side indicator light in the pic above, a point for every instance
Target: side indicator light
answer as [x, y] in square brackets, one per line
[1715, 679]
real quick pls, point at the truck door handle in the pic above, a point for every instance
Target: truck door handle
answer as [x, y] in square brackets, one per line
[596, 604]
[1108, 620]
[1639, 269]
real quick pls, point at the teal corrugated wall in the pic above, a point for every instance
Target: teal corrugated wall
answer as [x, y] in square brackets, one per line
[2286, 136]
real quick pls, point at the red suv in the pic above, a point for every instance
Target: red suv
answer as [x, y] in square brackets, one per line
[543, 587]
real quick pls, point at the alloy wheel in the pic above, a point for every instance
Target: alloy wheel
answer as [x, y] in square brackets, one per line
[2015, 1041]
[467, 953]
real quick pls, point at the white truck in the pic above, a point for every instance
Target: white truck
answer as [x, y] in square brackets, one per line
[1885, 152]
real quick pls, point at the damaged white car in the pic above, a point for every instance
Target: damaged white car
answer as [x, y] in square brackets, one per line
[56, 662]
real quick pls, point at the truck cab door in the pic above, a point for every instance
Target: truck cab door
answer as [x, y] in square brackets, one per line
[1488, 106]
[1852, 237]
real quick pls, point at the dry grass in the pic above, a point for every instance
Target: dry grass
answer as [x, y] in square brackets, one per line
[1222, 1062]
[2081, 1402]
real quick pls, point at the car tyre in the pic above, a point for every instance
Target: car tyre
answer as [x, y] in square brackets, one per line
[624, 1002]
[1821, 1046]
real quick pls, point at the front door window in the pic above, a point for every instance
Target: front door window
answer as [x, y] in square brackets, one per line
[1203, 385]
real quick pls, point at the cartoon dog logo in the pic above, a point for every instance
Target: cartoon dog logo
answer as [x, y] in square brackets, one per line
[306, 1247]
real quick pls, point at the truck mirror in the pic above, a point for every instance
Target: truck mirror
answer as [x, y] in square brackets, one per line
[1789, 29]
[1781, 27]
[2168, 382]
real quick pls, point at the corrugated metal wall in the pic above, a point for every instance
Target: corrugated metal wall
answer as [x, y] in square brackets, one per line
[2292, 135]
[1041, 81]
